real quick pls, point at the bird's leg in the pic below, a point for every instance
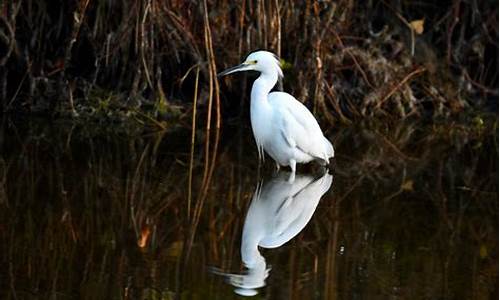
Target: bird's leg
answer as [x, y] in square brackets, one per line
[291, 179]
[329, 166]
[277, 167]
[292, 165]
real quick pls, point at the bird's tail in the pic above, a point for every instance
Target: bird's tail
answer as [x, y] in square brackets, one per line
[329, 149]
[328, 153]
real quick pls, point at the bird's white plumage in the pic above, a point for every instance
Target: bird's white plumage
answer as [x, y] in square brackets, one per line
[278, 212]
[282, 126]
[299, 128]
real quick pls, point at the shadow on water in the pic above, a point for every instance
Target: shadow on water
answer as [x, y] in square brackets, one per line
[100, 214]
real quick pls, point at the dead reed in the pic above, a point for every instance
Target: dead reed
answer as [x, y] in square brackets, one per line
[345, 59]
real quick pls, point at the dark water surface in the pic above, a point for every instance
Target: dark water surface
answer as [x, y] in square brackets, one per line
[87, 211]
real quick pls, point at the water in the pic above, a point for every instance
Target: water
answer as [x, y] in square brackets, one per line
[410, 211]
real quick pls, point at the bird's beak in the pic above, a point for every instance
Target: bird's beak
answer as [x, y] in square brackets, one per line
[238, 68]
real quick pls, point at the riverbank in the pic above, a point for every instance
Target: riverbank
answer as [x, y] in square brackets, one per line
[347, 61]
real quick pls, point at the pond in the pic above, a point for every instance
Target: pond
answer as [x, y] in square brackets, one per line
[407, 211]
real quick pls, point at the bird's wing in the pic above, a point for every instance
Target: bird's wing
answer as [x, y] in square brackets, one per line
[298, 125]
[296, 210]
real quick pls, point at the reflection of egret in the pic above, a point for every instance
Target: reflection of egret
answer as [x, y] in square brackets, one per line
[282, 126]
[278, 212]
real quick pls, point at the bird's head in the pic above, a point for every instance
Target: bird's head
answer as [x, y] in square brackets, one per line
[261, 61]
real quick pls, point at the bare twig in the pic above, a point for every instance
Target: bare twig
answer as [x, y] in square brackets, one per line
[480, 86]
[193, 136]
[399, 84]
[454, 22]
[358, 66]
[143, 41]
[78, 17]
[408, 25]
[9, 39]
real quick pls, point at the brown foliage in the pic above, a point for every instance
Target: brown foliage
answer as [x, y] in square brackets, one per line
[345, 59]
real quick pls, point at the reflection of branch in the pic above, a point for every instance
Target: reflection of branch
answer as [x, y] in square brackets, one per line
[28, 70]
[351, 188]
[394, 147]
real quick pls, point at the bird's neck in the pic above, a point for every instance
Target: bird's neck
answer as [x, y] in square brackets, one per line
[263, 85]
[253, 259]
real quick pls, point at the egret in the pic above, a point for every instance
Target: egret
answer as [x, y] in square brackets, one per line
[278, 212]
[282, 126]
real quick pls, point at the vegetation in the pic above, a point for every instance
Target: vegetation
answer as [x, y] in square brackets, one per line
[345, 59]
[109, 209]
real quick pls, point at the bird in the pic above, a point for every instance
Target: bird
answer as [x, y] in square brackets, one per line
[279, 210]
[282, 126]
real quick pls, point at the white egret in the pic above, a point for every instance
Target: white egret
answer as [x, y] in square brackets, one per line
[278, 212]
[282, 126]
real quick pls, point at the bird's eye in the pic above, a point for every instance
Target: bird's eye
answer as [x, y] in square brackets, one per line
[253, 62]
